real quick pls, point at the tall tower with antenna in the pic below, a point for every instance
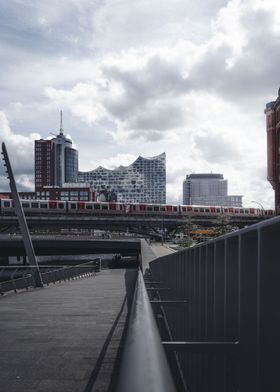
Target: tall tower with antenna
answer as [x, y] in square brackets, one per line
[56, 161]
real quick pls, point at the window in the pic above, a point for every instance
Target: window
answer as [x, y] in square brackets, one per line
[25, 205]
[6, 204]
[60, 205]
[34, 205]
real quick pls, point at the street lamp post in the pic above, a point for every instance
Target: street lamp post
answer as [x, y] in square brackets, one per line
[260, 204]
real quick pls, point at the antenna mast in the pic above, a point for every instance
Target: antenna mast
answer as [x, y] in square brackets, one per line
[61, 124]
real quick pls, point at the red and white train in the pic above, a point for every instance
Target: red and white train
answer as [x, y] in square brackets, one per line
[116, 208]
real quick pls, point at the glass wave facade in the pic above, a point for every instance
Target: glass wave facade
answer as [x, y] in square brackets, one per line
[144, 181]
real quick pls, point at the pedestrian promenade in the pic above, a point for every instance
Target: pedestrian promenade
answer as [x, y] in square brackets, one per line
[65, 337]
[151, 252]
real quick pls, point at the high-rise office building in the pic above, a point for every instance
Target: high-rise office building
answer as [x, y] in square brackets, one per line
[56, 162]
[208, 189]
[143, 181]
[272, 112]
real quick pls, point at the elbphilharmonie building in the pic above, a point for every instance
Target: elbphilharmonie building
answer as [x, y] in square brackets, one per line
[144, 181]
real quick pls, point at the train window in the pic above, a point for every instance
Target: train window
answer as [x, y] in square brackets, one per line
[121, 207]
[212, 209]
[195, 209]
[162, 208]
[241, 211]
[225, 210]
[25, 205]
[201, 210]
[88, 206]
[246, 211]
[34, 205]
[236, 211]
[218, 210]
[73, 206]
[176, 208]
[105, 207]
[230, 210]
[97, 206]
[184, 209]
[112, 206]
[189, 208]
[206, 210]
[133, 208]
[60, 205]
[156, 208]
[142, 207]
[6, 204]
[43, 205]
[149, 208]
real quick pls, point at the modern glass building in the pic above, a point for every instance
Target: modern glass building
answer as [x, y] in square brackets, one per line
[56, 162]
[208, 189]
[144, 181]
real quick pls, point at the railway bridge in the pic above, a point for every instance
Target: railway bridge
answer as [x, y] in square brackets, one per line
[146, 225]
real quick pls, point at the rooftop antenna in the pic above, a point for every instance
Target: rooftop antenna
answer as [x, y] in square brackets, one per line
[61, 124]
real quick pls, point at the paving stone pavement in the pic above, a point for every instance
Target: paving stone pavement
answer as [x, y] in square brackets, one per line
[65, 337]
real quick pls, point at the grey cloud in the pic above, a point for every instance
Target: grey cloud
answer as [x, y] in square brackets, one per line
[21, 158]
[160, 117]
[50, 28]
[256, 71]
[215, 149]
[147, 102]
[159, 78]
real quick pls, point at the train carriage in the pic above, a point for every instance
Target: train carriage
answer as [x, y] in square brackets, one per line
[117, 208]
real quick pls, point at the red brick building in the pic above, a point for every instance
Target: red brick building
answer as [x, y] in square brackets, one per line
[71, 193]
[272, 112]
[44, 166]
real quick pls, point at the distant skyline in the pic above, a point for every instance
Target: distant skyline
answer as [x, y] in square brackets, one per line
[140, 78]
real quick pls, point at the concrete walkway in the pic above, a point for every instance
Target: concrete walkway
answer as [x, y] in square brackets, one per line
[151, 252]
[64, 337]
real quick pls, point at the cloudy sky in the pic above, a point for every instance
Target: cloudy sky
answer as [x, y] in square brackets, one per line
[141, 77]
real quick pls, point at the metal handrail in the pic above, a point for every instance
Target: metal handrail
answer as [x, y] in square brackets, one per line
[52, 276]
[144, 365]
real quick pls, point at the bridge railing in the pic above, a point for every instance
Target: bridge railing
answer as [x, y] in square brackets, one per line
[51, 276]
[144, 365]
[227, 336]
